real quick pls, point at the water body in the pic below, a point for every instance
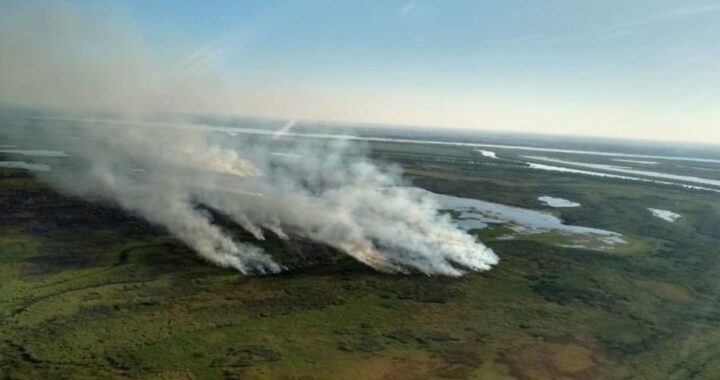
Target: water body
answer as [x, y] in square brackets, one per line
[487, 153]
[705, 169]
[287, 155]
[35, 152]
[638, 162]
[474, 213]
[665, 215]
[25, 165]
[557, 202]
[533, 165]
[625, 170]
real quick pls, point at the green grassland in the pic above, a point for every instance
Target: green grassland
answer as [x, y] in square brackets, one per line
[87, 291]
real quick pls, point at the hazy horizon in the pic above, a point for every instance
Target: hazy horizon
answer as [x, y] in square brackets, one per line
[380, 127]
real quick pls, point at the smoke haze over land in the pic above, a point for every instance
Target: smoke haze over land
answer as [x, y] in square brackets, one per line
[176, 175]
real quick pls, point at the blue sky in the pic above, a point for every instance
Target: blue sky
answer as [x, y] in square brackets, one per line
[644, 68]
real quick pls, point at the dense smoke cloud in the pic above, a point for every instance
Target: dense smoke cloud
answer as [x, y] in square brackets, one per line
[171, 174]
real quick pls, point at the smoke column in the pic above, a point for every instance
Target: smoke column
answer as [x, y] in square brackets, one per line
[170, 173]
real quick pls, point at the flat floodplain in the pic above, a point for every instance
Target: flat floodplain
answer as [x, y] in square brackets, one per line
[90, 291]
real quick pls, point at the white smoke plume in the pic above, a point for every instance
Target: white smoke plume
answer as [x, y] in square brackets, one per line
[172, 173]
